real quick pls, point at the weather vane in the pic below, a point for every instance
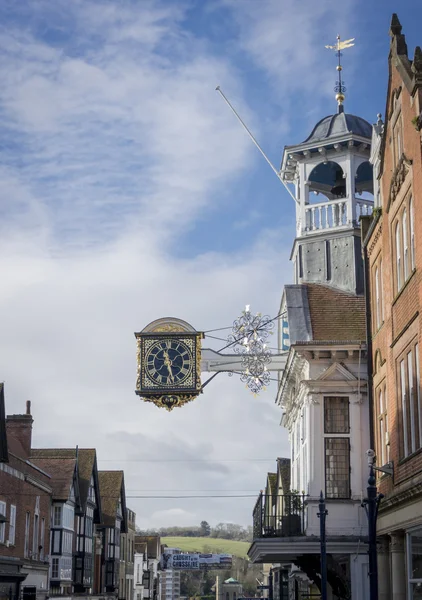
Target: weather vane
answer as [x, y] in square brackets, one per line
[340, 88]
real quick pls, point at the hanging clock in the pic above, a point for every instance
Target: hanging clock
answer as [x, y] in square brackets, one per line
[169, 360]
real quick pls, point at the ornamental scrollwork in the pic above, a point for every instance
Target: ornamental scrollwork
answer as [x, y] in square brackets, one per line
[249, 339]
[399, 177]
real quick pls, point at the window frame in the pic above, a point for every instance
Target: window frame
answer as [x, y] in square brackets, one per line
[412, 234]
[333, 429]
[383, 450]
[3, 509]
[405, 246]
[408, 390]
[27, 534]
[335, 478]
[398, 265]
[12, 524]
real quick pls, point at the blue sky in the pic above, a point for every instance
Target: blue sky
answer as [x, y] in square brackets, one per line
[129, 192]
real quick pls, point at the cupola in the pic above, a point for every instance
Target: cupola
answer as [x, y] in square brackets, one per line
[333, 188]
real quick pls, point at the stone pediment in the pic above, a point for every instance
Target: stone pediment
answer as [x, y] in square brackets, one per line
[336, 372]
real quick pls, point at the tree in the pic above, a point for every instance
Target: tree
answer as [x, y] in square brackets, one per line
[205, 529]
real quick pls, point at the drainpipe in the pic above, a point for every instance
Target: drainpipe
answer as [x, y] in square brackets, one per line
[366, 225]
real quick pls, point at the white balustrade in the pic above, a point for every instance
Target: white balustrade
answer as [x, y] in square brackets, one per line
[326, 215]
[363, 208]
[335, 213]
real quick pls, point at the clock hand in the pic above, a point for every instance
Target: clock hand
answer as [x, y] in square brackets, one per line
[168, 364]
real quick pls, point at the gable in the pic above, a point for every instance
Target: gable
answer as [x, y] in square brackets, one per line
[336, 372]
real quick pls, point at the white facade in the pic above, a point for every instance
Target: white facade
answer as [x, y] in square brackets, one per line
[170, 580]
[306, 412]
[323, 388]
[139, 566]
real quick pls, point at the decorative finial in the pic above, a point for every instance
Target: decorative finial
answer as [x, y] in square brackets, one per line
[340, 87]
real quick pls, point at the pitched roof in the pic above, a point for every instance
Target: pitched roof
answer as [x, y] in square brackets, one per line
[272, 483]
[336, 315]
[283, 472]
[111, 491]
[61, 470]
[87, 460]
[58, 461]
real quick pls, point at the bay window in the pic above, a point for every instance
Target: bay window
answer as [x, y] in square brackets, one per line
[337, 446]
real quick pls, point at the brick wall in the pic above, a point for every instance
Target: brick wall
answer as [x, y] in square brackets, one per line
[400, 180]
[25, 487]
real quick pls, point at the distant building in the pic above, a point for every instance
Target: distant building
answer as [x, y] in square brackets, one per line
[113, 524]
[126, 587]
[170, 580]
[25, 501]
[230, 589]
[149, 546]
[76, 510]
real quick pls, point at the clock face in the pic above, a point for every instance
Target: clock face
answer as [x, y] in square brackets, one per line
[169, 363]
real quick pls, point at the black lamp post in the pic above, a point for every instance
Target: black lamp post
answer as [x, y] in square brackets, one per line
[371, 505]
[322, 516]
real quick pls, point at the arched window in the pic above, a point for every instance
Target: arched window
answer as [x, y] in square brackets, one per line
[405, 247]
[377, 298]
[398, 256]
[382, 430]
[412, 234]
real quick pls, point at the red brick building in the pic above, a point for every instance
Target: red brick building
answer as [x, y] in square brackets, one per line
[393, 247]
[25, 501]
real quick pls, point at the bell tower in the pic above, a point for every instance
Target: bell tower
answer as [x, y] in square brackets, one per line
[333, 187]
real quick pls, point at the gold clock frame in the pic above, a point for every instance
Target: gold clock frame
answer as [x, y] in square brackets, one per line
[169, 328]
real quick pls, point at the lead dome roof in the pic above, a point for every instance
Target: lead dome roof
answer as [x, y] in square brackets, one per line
[339, 124]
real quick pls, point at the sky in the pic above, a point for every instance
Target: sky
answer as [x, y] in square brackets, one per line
[129, 192]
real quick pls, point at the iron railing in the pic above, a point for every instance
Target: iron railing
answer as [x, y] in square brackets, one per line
[279, 515]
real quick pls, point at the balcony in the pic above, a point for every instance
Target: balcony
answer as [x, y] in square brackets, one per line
[335, 213]
[286, 527]
[279, 516]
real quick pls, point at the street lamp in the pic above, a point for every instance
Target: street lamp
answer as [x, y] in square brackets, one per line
[322, 515]
[371, 505]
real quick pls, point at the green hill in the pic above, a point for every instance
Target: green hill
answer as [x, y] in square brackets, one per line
[207, 544]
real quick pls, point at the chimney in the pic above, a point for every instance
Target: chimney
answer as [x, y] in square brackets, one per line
[19, 427]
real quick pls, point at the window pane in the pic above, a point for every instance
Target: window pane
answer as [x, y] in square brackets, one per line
[337, 468]
[416, 555]
[412, 234]
[12, 524]
[377, 297]
[411, 401]
[404, 407]
[398, 257]
[405, 247]
[27, 526]
[336, 414]
[2, 525]
[57, 516]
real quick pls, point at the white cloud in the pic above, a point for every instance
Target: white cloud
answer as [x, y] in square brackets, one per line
[114, 144]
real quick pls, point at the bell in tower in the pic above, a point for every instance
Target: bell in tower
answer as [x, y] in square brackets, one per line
[332, 178]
